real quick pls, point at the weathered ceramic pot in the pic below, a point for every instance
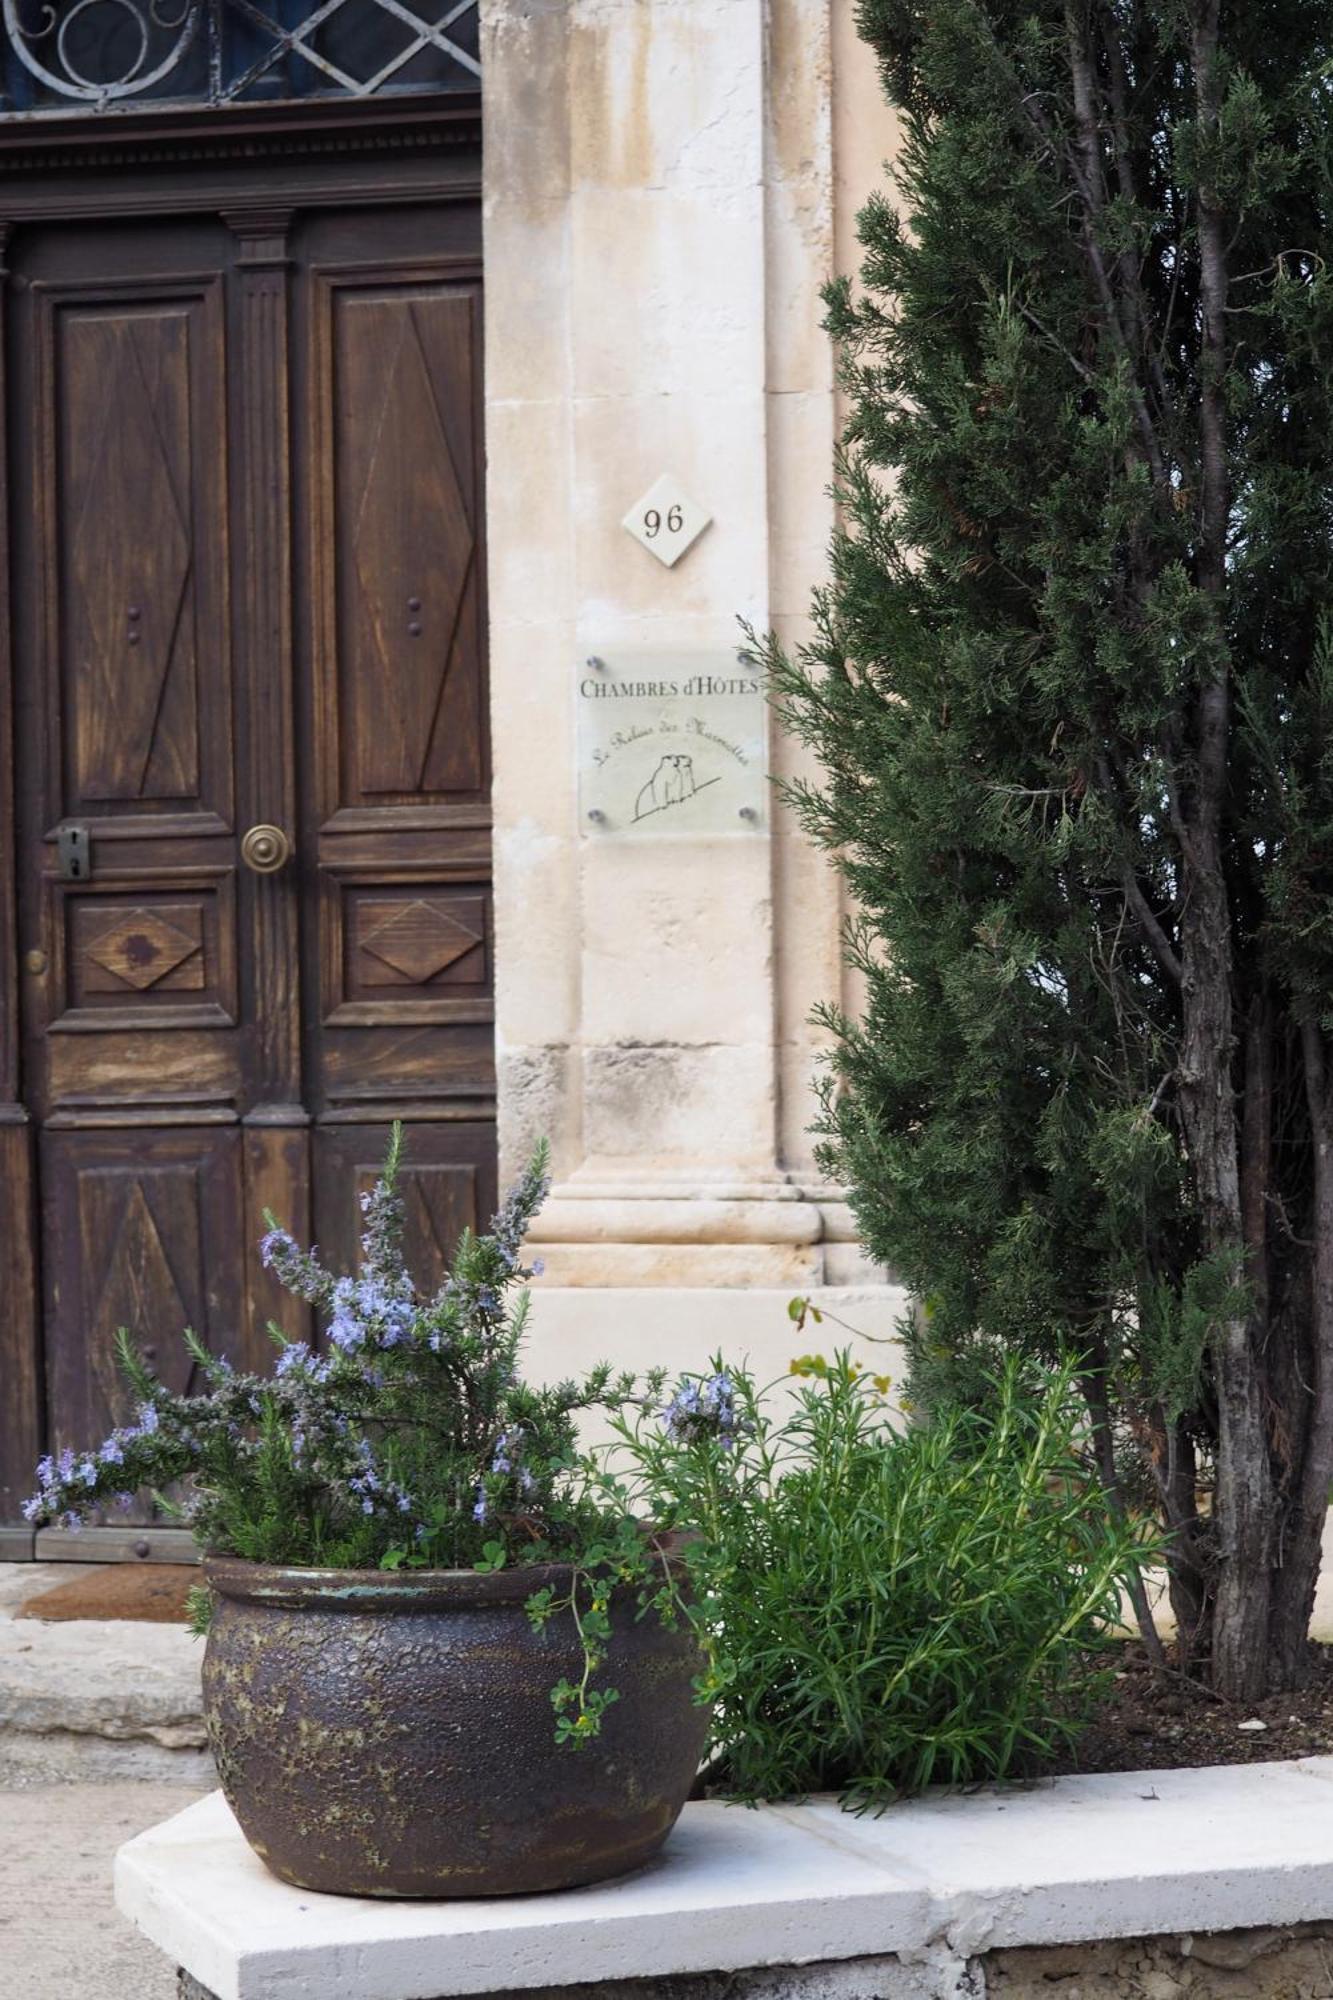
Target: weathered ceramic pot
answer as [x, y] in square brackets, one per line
[386, 1734]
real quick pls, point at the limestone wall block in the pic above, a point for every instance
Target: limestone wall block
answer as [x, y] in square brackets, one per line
[666, 288]
[588, 1268]
[533, 682]
[713, 446]
[671, 933]
[575, 1327]
[665, 94]
[801, 512]
[525, 106]
[699, 1221]
[799, 188]
[537, 914]
[671, 1101]
[526, 250]
[537, 1097]
[528, 468]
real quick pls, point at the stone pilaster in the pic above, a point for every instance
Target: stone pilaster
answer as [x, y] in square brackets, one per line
[660, 214]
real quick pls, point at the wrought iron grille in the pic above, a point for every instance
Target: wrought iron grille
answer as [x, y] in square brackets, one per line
[62, 56]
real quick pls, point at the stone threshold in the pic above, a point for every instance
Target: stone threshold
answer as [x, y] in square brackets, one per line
[95, 1699]
[924, 1891]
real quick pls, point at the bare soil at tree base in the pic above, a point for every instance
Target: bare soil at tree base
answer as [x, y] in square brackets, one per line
[1152, 1720]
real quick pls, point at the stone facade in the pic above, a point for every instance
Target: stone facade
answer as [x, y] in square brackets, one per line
[667, 185]
[1291, 1963]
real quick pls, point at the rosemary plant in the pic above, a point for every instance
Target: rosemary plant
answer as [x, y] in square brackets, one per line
[886, 1609]
[408, 1439]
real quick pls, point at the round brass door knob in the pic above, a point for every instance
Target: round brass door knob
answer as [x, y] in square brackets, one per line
[265, 849]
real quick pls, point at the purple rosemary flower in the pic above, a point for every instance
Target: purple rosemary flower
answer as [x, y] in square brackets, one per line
[372, 1488]
[346, 1331]
[296, 1270]
[704, 1410]
[300, 1362]
[511, 1225]
[382, 1238]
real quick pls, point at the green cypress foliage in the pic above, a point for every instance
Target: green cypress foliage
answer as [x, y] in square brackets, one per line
[1072, 690]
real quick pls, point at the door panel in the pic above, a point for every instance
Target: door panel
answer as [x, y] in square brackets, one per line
[139, 956]
[133, 404]
[400, 986]
[403, 490]
[249, 587]
[130, 457]
[448, 1184]
[141, 1227]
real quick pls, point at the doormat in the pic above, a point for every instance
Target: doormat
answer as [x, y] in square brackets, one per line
[154, 1592]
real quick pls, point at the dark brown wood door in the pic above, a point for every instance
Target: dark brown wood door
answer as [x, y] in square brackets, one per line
[247, 580]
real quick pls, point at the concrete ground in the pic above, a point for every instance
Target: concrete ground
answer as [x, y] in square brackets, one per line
[100, 1737]
[61, 1936]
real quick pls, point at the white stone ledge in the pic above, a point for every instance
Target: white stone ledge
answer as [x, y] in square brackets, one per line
[677, 1221]
[939, 1880]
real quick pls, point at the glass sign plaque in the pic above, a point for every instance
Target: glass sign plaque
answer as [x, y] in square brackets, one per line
[671, 743]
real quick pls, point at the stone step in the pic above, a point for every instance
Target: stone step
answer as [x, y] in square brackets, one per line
[94, 1700]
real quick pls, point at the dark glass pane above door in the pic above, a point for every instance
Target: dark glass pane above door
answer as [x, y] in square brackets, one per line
[121, 56]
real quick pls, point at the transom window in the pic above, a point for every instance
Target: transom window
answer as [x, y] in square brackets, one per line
[135, 55]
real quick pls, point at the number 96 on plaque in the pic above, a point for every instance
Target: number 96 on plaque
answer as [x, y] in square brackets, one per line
[666, 521]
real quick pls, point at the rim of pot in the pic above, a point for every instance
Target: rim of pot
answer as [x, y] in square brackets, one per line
[292, 1586]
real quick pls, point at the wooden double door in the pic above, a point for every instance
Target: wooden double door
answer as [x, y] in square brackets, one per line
[250, 780]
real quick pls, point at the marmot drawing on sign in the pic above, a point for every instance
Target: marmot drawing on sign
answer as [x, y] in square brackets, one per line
[671, 782]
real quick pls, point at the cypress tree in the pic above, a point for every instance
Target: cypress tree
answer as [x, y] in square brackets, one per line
[1071, 687]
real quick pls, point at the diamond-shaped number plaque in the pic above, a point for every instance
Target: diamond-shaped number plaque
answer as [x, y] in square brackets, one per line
[666, 520]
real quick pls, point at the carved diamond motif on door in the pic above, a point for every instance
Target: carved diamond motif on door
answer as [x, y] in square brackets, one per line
[418, 939]
[141, 947]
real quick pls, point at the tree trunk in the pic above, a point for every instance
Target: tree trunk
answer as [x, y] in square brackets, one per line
[1244, 1497]
[1093, 1381]
[1187, 1565]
